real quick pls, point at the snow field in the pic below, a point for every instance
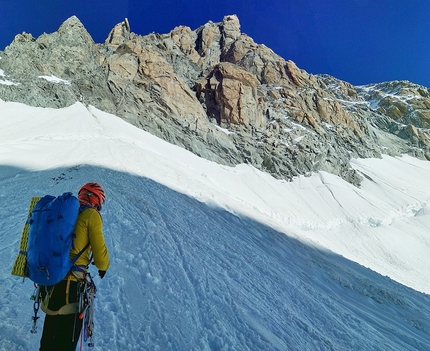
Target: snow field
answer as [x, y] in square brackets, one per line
[207, 257]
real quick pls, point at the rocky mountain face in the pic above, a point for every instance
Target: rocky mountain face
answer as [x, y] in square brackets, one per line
[217, 93]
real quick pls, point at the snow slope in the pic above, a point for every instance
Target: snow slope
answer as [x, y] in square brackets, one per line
[208, 257]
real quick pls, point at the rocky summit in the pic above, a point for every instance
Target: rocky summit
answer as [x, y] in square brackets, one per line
[217, 93]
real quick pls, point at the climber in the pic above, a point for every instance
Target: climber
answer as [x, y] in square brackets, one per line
[62, 328]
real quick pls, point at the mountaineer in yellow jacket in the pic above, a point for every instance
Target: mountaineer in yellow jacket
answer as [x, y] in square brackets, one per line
[63, 324]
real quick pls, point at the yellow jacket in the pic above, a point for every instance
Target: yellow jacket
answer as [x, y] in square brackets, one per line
[89, 230]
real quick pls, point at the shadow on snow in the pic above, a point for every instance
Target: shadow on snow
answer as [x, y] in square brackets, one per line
[188, 276]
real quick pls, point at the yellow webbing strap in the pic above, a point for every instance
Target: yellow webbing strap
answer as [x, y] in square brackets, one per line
[67, 289]
[70, 308]
[19, 267]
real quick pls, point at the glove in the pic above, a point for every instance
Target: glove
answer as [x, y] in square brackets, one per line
[102, 274]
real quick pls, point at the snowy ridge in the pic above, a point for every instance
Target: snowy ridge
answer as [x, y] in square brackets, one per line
[208, 257]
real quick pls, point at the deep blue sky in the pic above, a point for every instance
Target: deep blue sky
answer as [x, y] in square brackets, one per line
[359, 41]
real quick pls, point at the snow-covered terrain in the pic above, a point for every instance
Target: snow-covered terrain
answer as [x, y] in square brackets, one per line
[208, 257]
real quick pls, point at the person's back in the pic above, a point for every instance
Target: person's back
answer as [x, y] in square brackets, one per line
[89, 230]
[62, 325]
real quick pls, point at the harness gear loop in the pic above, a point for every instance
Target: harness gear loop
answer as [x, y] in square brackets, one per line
[36, 305]
[86, 309]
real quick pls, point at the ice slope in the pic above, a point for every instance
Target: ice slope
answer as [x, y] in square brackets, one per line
[207, 257]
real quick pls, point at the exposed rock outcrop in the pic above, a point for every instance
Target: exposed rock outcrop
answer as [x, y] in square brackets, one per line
[217, 93]
[229, 94]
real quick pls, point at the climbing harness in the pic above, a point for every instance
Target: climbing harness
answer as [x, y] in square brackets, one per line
[83, 308]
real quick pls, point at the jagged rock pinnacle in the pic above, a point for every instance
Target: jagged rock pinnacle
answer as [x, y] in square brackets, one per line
[217, 93]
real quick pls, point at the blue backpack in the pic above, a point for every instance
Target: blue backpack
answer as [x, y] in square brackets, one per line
[51, 225]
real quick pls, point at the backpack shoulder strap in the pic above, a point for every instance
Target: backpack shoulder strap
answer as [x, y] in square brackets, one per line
[79, 254]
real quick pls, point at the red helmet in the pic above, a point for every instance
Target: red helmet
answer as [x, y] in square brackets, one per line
[93, 194]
